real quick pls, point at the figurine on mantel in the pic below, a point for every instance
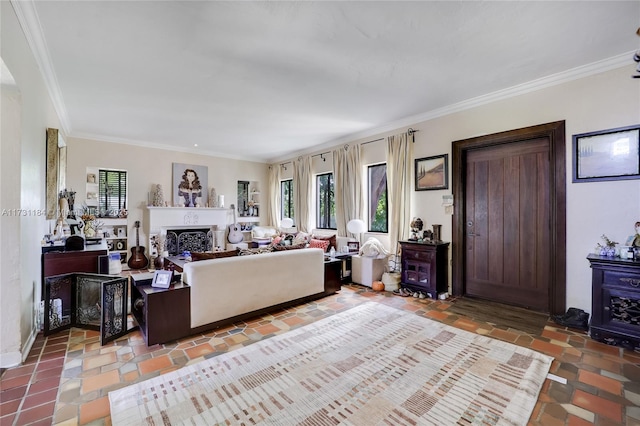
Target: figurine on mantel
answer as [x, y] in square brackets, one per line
[158, 196]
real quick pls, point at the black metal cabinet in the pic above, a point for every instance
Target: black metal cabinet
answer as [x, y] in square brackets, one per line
[615, 306]
[425, 266]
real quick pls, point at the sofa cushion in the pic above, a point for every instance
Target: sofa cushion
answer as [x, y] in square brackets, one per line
[259, 250]
[279, 247]
[195, 255]
[321, 244]
[263, 232]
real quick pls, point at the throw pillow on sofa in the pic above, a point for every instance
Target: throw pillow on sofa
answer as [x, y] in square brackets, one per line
[322, 244]
[330, 238]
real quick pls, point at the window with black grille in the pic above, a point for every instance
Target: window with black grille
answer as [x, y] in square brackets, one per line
[112, 195]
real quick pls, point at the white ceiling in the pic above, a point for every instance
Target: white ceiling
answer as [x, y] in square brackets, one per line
[266, 80]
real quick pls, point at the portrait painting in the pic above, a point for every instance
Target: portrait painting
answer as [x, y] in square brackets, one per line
[189, 185]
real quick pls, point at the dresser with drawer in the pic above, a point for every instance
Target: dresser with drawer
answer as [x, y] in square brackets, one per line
[425, 266]
[615, 310]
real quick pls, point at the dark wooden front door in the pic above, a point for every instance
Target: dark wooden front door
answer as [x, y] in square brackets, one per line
[507, 217]
[509, 226]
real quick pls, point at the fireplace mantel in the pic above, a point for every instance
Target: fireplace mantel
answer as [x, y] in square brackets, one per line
[159, 219]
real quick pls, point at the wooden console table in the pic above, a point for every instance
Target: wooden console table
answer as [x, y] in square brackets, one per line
[615, 303]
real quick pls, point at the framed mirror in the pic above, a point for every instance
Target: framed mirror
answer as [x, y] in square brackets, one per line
[56, 171]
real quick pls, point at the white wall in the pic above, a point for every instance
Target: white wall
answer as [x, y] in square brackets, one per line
[11, 103]
[602, 101]
[147, 167]
[36, 115]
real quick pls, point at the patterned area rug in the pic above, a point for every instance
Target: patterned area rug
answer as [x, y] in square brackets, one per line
[372, 364]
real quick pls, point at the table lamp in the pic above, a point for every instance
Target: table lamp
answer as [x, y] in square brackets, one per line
[356, 227]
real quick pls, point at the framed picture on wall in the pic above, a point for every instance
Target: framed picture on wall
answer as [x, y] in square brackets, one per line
[432, 173]
[189, 185]
[612, 154]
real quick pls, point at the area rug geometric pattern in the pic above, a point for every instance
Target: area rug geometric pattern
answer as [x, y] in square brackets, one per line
[371, 364]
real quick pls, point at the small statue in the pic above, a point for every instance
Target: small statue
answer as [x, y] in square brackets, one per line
[636, 239]
[416, 227]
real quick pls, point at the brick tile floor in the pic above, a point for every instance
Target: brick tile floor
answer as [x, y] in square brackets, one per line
[66, 377]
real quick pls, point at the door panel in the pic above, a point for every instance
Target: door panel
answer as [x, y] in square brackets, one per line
[507, 217]
[509, 221]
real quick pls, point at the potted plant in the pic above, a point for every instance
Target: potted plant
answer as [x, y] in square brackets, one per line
[609, 247]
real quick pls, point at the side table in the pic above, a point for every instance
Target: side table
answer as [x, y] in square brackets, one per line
[332, 275]
[163, 314]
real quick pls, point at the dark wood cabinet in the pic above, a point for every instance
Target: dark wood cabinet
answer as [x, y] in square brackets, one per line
[163, 314]
[332, 275]
[55, 261]
[425, 267]
[615, 309]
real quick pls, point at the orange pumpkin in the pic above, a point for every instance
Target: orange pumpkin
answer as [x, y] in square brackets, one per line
[377, 286]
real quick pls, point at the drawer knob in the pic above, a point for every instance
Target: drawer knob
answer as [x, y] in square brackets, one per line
[606, 308]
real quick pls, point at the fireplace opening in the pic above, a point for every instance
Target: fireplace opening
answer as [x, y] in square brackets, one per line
[193, 239]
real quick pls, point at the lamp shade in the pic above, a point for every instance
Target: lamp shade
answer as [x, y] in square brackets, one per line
[286, 223]
[356, 226]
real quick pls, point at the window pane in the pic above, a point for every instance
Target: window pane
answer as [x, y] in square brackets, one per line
[378, 214]
[325, 202]
[112, 192]
[286, 195]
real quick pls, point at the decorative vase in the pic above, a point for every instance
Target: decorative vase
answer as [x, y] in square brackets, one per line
[213, 198]
[158, 262]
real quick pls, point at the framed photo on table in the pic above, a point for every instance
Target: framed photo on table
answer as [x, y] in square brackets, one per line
[162, 279]
[353, 246]
[612, 154]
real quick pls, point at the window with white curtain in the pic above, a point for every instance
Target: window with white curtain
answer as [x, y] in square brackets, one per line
[286, 197]
[377, 198]
[325, 202]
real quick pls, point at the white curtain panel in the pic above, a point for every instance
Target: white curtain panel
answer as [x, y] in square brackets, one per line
[302, 192]
[399, 154]
[347, 179]
[273, 195]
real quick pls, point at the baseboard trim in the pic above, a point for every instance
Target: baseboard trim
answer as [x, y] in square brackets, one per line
[16, 358]
[10, 359]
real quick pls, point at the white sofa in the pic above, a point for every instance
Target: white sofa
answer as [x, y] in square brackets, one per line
[233, 286]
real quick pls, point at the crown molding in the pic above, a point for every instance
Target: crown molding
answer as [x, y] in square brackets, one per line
[614, 62]
[155, 145]
[30, 23]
